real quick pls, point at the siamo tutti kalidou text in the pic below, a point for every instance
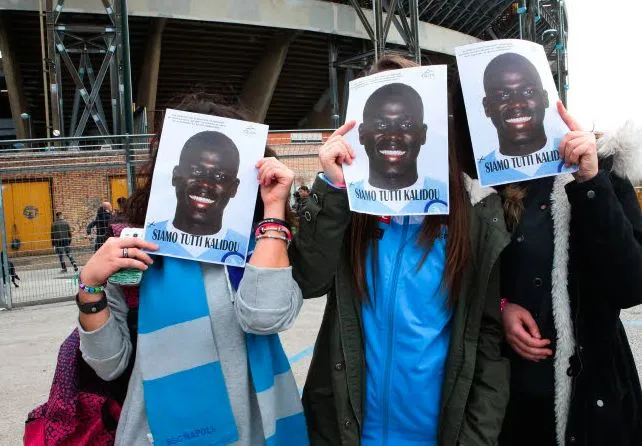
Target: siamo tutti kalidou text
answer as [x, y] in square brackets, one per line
[517, 162]
[200, 241]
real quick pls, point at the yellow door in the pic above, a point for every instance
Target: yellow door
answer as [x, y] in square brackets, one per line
[118, 187]
[27, 214]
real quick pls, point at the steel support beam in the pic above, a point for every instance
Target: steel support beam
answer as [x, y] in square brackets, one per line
[414, 25]
[530, 26]
[333, 53]
[17, 100]
[71, 45]
[562, 72]
[380, 37]
[397, 15]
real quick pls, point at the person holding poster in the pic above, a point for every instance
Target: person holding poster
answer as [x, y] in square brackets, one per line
[514, 128]
[208, 366]
[409, 349]
[575, 261]
[402, 167]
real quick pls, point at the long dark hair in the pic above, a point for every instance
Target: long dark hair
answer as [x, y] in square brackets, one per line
[203, 103]
[363, 227]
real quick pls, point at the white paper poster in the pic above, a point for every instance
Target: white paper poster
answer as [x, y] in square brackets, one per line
[511, 107]
[400, 142]
[204, 187]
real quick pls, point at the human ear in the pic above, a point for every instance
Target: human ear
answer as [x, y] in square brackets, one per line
[175, 175]
[234, 188]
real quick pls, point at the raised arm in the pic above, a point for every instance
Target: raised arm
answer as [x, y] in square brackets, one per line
[268, 299]
[606, 218]
[325, 217]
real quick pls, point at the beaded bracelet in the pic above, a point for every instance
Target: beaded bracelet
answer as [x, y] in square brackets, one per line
[91, 289]
[278, 237]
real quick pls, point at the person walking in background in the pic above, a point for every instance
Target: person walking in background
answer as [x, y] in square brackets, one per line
[300, 196]
[101, 222]
[61, 241]
[13, 276]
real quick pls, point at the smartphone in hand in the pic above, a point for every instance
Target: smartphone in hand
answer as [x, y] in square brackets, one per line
[128, 276]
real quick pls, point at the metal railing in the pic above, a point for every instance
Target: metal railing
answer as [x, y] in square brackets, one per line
[41, 177]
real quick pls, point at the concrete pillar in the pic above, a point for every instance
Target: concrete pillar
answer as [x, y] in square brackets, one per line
[320, 117]
[259, 86]
[148, 81]
[17, 100]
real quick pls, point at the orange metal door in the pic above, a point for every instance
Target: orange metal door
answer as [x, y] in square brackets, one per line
[118, 188]
[27, 214]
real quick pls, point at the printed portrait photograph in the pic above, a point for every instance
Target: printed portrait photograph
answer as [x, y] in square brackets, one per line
[204, 187]
[401, 142]
[511, 98]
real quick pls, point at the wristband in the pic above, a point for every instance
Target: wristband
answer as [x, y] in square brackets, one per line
[92, 307]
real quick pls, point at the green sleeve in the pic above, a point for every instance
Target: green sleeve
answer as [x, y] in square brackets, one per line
[316, 248]
[489, 393]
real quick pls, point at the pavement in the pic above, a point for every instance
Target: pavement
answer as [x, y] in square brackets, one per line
[30, 337]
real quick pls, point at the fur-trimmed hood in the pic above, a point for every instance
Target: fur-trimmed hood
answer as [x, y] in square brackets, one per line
[625, 146]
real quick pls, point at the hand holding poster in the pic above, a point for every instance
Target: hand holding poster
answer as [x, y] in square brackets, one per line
[510, 101]
[204, 187]
[400, 142]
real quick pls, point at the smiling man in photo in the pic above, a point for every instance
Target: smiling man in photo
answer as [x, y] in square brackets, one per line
[392, 133]
[516, 103]
[205, 181]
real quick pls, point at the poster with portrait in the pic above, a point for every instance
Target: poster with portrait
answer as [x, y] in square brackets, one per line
[400, 142]
[511, 99]
[204, 187]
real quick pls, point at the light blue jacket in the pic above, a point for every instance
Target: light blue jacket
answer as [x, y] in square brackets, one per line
[407, 326]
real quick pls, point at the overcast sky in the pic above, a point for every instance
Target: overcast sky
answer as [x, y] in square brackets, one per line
[605, 62]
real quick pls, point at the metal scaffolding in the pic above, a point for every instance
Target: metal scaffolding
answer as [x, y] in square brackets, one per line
[541, 21]
[72, 45]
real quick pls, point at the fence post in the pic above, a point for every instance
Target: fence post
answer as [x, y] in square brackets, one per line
[6, 285]
[131, 173]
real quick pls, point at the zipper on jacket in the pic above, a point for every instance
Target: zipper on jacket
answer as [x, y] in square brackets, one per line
[392, 305]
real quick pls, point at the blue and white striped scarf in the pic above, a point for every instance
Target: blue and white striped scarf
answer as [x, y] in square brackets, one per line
[185, 394]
